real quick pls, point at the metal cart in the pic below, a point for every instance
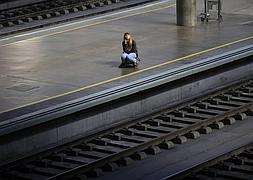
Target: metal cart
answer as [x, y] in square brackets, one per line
[211, 7]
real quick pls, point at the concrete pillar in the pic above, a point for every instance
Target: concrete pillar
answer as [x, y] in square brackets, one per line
[186, 13]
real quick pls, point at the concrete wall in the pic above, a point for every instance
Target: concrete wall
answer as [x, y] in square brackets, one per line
[109, 115]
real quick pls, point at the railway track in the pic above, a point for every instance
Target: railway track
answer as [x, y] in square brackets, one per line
[46, 10]
[50, 9]
[135, 141]
[237, 164]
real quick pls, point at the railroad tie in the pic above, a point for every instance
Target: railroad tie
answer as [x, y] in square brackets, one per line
[193, 135]
[166, 117]
[167, 145]
[202, 105]
[65, 11]
[125, 161]
[99, 4]
[74, 10]
[96, 172]
[108, 2]
[139, 155]
[110, 167]
[240, 116]
[179, 140]
[18, 22]
[56, 13]
[217, 125]
[91, 6]
[28, 20]
[82, 8]
[153, 150]
[38, 18]
[249, 112]
[46, 16]
[229, 121]
[9, 24]
[205, 130]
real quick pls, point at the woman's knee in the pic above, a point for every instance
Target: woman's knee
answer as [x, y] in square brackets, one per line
[123, 57]
[132, 57]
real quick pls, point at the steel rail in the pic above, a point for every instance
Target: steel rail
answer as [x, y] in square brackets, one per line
[57, 111]
[42, 12]
[156, 141]
[193, 110]
[89, 4]
[207, 163]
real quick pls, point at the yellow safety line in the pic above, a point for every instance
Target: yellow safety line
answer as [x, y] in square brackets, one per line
[89, 25]
[133, 73]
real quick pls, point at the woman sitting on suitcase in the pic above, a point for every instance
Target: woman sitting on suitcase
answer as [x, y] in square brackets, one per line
[129, 57]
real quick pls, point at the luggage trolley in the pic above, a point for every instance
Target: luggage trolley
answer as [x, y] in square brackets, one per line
[209, 8]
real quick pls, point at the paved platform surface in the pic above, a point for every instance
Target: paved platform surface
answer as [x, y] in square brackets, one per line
[45, 67]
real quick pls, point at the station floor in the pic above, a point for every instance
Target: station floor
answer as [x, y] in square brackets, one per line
[45, 67]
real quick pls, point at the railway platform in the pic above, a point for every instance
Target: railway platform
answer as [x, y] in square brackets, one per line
[45, 69]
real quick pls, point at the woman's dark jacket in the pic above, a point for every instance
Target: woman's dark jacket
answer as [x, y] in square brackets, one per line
[132, 50]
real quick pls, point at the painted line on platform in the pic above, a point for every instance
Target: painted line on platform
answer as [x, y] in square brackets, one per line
[133, 73]
[87, 20]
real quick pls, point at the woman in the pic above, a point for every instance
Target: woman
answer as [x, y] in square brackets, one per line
[130, 54]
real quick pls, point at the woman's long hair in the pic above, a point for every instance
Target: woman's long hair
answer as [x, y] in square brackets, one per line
[128, 42]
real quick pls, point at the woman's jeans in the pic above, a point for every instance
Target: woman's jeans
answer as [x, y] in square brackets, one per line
[128, 57]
